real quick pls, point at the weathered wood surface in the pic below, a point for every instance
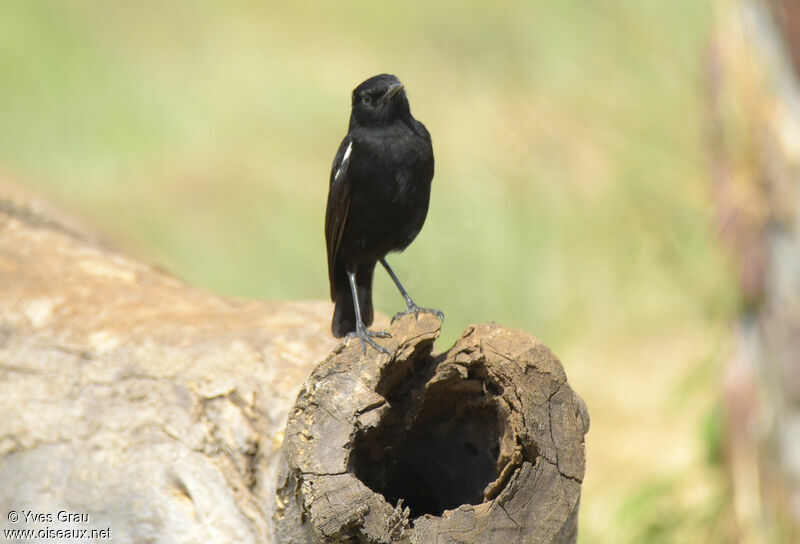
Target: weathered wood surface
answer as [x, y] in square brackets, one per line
[483, 443]
[159, 411]
[154, 407]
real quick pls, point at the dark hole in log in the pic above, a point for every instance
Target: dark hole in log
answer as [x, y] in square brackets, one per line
[436, 456]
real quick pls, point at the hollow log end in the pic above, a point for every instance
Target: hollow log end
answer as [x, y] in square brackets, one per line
[481, 443]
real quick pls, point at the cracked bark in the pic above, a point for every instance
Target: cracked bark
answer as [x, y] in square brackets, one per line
[160, 410]
[478, 444]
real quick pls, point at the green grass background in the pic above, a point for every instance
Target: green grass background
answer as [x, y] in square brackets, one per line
[570, 196]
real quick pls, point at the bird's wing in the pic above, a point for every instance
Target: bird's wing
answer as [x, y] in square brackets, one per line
[338, 205]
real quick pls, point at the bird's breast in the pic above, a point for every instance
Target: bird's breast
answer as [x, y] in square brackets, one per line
[389, 199]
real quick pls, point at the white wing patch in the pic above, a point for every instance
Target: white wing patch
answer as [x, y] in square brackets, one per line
[344, 160]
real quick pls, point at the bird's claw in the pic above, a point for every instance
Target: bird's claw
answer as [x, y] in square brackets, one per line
[366, 337]
[416, 310]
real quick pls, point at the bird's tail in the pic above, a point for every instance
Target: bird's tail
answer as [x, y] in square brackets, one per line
[344, 315]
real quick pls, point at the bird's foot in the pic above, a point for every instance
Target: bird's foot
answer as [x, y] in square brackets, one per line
[366, 336]
[416, 310]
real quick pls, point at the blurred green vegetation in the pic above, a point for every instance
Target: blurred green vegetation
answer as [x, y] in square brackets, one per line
[570, 196]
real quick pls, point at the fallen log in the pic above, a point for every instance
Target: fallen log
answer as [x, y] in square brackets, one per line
[483, 443]
[154, 407]
[160, 412]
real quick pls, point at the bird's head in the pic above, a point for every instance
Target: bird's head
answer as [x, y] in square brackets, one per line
[379, 101]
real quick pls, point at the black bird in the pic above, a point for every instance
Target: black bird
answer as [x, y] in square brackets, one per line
[377, 202]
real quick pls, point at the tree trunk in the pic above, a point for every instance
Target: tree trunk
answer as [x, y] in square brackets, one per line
[755, 135]
[158, 411]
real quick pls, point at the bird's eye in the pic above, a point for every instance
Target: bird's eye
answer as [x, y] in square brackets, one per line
[366, 99]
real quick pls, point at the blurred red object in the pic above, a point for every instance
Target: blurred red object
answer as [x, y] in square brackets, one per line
[787, 15]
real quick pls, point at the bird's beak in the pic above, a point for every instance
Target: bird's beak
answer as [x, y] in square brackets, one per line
[392, 91]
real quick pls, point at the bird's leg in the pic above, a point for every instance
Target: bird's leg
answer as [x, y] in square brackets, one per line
[362, 332]
[411, 307]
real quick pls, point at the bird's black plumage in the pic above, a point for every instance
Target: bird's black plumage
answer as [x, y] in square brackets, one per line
[378, 198]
